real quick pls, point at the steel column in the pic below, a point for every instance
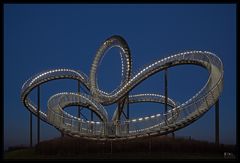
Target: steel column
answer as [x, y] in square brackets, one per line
[165, 90]
[79, 108]
[217, 122]
[30, 129]
[111, 146]
[150, 144]
[91, 115]
[92, 120]
[79, 111]
[38, 115]
[128, 112]
[166, 95]
[128, 106]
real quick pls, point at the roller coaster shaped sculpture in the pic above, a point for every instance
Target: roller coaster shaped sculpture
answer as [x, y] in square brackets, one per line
[177, 117]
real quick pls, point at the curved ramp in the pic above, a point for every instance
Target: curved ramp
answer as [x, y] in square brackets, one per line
[179, 116]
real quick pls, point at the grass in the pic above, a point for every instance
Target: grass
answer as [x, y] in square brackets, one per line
[20, 154]
[32, 154]
[161, 148]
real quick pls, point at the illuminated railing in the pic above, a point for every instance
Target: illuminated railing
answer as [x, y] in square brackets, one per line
[179, 116]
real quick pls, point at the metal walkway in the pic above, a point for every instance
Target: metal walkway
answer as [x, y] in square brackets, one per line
[179, 116]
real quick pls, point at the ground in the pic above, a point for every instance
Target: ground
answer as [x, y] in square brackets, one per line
[32, 154]
[154, 148]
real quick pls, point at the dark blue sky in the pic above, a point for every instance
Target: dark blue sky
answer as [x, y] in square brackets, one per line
[41, 37]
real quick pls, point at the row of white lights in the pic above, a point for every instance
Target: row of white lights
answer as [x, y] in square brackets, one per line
[35, 109]
[149, 94]
[147, 128]
[140, 119]
[179, 54]
[56, 70]
[142, 71]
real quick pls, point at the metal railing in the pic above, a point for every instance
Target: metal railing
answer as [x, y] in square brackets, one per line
[179, 116]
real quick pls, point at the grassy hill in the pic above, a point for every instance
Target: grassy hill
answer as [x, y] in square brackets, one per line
[163, 147]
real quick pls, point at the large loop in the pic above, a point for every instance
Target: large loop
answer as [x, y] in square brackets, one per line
[114, 41]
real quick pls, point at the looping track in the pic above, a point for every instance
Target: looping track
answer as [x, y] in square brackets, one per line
[179, 116]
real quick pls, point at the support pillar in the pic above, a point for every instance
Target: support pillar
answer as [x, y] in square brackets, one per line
[91, 115]
[30, 136]
[124, 102]
[150, 144]
[62, 134]
[111, 147]
[165, 90]
[92, 120]
[128, 112]
[79, 108]
[120, 110]
[166, 95]
[217, 122]
[38, 115]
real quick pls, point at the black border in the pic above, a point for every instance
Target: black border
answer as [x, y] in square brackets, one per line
[119, 2]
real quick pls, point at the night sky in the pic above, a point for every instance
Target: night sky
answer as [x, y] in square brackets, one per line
[42, 37]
